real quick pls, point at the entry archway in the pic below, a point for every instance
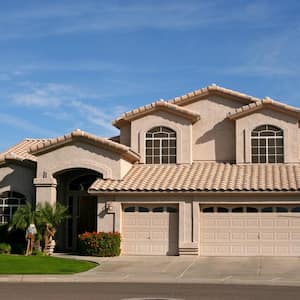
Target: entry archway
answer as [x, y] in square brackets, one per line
[72, 191]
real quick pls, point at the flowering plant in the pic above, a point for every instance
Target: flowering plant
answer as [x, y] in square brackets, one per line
[100, 243]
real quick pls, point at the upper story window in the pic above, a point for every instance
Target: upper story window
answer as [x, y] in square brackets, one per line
[161, 146]
[267, 144]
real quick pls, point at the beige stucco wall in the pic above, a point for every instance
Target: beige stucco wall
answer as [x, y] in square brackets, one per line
[183, 129]
[125, 135]
[17, 178]
[82, 155]
[214, 135]
[289, 124]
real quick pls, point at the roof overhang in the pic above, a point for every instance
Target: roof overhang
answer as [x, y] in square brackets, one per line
[78, 135]
[213, 90]
[266, 103]
[160, 105]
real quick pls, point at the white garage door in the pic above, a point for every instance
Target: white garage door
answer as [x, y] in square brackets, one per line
[250, 231]
[150, 230]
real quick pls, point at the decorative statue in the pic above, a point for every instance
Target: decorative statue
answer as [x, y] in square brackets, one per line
[49, 242]
[30, 235]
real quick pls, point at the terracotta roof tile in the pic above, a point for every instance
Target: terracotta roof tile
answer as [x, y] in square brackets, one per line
[21, 150]
[205, 177]
[46, 145]
[266, 102]
[160, 104]
[213, 88]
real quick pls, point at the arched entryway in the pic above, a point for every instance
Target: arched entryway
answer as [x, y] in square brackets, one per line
[72, 191]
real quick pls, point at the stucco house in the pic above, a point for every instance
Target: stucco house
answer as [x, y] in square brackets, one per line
[214, 172]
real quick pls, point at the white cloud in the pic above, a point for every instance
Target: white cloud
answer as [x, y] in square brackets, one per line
[56, 101]
[66, 17]
[25, 125]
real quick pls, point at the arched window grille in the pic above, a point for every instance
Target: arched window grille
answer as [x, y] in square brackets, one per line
[9, 203]
[161, 146]
[267, 144]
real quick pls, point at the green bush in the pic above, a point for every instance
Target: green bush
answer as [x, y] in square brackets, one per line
[5, 248]
[14, 237]
[100, 244]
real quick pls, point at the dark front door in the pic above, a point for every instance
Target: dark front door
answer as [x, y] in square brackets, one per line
[87, 220]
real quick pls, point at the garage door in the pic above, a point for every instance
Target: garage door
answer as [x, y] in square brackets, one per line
[250, 231]
[150, 230]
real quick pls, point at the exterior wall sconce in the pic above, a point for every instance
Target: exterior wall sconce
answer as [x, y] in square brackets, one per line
[109, 206]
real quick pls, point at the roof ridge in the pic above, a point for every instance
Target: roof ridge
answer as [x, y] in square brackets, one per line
[210, 88]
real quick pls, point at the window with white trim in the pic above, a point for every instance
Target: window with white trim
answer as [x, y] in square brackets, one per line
[160, 146]
[9, 203]
[267, 144]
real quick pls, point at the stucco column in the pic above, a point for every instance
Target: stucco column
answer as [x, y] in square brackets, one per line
[45, 190]
[187, 244]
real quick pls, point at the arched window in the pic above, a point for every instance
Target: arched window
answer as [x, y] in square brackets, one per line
[9, 203]
[161, 146]
[267, 144]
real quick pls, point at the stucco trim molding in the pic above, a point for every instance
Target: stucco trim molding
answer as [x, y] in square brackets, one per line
[84, 164]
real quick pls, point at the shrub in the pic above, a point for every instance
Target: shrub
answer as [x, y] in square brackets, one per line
[100, 243]
[5, 248]
[14, 237]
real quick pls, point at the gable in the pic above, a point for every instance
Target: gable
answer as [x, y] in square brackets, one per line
[160, 105]
[265, 104]
[84, 138]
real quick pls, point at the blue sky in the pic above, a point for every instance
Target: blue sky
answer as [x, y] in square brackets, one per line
[79, 64]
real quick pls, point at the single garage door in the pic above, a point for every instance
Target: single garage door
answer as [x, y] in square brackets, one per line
[250, 231]
[150, 230]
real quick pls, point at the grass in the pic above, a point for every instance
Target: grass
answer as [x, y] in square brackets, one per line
[17, 264]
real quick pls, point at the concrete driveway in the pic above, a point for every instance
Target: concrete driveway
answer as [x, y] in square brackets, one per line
[176, 269]
[255, 270]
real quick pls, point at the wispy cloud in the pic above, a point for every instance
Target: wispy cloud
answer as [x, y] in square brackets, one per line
[68, 104]
[20, 123]
[66, 17]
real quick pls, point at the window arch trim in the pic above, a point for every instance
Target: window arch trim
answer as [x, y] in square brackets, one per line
[160, 145]
[267, 144]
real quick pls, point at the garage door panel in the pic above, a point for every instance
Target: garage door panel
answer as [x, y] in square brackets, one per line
[249, 233]
[150, 232]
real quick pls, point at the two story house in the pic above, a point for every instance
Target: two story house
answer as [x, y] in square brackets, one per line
[214, 172]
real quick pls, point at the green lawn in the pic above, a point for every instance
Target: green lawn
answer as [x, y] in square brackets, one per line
[16, 264]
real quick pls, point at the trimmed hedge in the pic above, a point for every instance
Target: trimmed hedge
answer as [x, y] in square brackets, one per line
[100, 244]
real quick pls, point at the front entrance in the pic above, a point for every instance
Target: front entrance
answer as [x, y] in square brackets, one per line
[250, 231]
[82, 207]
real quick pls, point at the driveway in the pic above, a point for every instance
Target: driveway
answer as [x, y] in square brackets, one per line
[178, 269]
[256, 270]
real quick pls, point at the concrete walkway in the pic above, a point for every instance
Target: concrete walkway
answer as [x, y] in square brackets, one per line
[172, 269]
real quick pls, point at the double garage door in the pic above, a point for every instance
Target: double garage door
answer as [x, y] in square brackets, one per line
[249, 231]
[150, 230]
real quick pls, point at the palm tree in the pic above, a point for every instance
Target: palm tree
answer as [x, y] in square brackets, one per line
[23, 218]
[51, 216]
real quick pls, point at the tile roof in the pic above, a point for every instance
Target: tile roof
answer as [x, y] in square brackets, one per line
[204, 177]
[266, 102]
[212, 89]
[21, 150]
[78, 134]
[160, 104]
